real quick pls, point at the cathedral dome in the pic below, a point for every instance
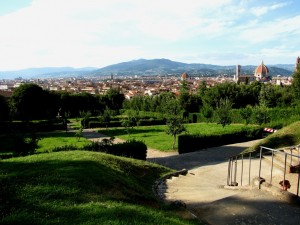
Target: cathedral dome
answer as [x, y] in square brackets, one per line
[262, 69]
[262, 72]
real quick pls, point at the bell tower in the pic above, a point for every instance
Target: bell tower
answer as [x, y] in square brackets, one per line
[297, 65]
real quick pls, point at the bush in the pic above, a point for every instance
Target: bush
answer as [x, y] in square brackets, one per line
[191, 143]
[152, 122]
[96, 124]
[131, 148]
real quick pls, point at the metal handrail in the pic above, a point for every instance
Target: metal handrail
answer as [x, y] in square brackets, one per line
[233, 161]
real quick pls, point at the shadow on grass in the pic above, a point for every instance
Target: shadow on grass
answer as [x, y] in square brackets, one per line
[76, 190]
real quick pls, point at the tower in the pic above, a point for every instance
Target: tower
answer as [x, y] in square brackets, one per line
[237, 72]
[297, 64]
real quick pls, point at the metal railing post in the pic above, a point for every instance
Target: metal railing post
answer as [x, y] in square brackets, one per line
[228, 174]
[259, 172]
[285, 157]
[272, 167]
[235, 170]
[242, 170]
[298, 184]
[249, 167]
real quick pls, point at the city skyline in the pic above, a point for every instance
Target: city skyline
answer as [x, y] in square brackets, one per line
[90, 33]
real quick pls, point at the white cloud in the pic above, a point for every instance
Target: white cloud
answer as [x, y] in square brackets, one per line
[261, 10]
[101, 32]
[276, 30]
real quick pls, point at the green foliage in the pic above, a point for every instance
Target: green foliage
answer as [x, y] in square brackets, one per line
[81, 188]
[156, 137]
[4, 109]
[85, 116]
[246, 113]
[223, 111]
[261, 115]
[207, 112]
[195, 142]
[287, 136]
[29, 102]
[175, 127]
[78, 133]
[25, 144]
[296, 84]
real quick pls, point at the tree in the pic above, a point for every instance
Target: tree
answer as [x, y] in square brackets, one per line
[174, 120]
[296, 83]
[175, 127]
[28, 102]
[223, 112]
[246, 113]
[4, 109]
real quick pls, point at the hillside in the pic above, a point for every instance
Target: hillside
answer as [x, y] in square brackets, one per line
[287, 136]
[81, 188]
[166, 66]
[143, 67]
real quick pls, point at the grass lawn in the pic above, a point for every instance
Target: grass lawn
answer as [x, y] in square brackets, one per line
[156, 137]
[80, 187]
[287, 136]
[57, 139]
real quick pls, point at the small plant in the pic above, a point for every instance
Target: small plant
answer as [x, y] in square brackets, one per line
[78, 133]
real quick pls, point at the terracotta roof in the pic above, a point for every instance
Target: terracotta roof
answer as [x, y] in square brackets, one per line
[262, 69]
[184, 75]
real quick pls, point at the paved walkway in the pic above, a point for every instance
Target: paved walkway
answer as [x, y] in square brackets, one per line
[202, 189]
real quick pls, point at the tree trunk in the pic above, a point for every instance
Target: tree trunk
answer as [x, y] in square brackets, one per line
[174, 141]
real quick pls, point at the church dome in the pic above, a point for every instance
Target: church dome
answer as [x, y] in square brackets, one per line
[262, 69]
[184, 76]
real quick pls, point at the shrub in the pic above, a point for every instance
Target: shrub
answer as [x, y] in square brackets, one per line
[131, 148]
[191, 143]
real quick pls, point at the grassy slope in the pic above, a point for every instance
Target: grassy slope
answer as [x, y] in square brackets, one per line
[156, 137]
[80, 188]
[287, 136]
[50, 140]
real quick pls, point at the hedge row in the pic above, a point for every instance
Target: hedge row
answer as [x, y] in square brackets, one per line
[276, 115]
[191, 143]
[40, 126]
[131, 148]
[150, 122]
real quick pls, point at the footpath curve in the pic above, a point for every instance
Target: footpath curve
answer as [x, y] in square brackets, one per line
[202, 190]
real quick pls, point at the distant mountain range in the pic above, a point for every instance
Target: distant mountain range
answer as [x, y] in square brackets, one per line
[144, 67]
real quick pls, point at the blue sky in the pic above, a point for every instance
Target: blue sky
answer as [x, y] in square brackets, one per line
[97, 33]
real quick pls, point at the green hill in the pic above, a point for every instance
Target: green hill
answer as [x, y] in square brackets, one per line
[81, 187]
[287, 136]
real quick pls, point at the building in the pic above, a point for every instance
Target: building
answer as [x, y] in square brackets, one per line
[239, 78]
[262, 73]
[297, 64]
[184, 76]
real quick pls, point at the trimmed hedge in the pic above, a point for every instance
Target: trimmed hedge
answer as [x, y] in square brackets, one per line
[40, 126]
[131, 148]
[191, 143]
[96, 124]
[152, 122]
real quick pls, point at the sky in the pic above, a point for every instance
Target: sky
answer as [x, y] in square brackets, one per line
[98, 33]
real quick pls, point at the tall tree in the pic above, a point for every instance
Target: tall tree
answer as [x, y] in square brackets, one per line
[28, 102]
[174, 119]
[4, 109]
[296, 84]
[223, 111]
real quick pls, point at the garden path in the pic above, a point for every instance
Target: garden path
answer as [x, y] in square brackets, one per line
[202, 189]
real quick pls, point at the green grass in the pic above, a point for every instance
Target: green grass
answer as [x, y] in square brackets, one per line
[51, 140]
[287, 136]
[81, 187]
[156, 137]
